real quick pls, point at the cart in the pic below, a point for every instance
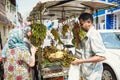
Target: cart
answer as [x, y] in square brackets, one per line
[64, 11]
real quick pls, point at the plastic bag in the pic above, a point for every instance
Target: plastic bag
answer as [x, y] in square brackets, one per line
[74, 72]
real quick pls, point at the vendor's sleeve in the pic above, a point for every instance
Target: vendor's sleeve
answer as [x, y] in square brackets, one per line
[97, 46]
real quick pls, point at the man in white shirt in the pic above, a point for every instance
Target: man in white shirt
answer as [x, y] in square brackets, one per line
[92, 50]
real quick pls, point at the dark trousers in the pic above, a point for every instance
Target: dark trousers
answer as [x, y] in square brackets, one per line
[1, 71]
[35, 75]
[36, 72]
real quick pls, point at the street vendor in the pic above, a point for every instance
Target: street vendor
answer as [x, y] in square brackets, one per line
[92, 50]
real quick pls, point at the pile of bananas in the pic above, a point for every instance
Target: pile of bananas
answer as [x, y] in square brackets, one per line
[52, 54]
[48, 51]
[67, 59]
[57, 55]
[62, 56]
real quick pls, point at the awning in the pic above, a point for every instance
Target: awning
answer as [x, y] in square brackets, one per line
[75, 7]
[68, 8]
[95, 4]
[98, 5]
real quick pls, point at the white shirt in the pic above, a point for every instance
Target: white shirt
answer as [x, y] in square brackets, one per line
[92, 45]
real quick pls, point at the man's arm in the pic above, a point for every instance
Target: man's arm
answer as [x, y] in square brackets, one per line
[91, 59]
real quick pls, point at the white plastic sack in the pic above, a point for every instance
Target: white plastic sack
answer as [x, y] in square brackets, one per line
[74, 72]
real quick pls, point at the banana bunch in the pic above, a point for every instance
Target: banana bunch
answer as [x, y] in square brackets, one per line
[65, 28]
[78, 34]
[58, 55]
[38, 34]
[67, 59]
[47, 51]
[56, 35]
[82, 34]
[62, 56]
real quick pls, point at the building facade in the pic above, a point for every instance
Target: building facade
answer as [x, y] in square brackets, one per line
[8, 15]
[4, 21]
[108, 19]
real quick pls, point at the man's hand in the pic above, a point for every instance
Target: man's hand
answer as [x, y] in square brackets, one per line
[76, 62]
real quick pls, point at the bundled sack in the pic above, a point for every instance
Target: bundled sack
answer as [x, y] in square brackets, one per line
[74, 72]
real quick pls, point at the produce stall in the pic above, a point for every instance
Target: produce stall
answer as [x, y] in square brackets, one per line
[54, 71]
[55, 62]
